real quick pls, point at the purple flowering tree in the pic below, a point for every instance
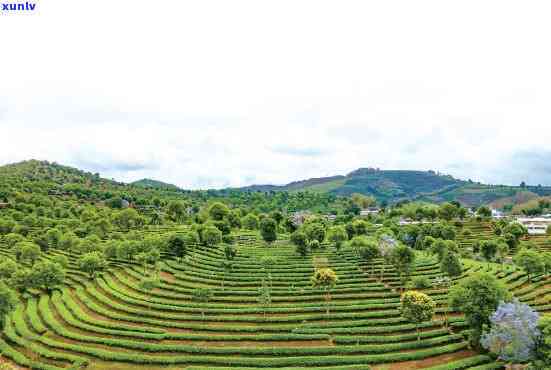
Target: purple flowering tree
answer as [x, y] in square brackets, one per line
[514, 332]
[386, 246]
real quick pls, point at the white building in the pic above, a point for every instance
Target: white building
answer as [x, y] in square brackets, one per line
[535, 225]
[497, 214]
[370, 211]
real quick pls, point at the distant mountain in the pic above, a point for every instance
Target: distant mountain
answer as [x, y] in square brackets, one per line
[392, 186]
[388, 186]
[155, 184]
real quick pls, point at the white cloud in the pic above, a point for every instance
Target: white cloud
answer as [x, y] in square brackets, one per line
[217, 93]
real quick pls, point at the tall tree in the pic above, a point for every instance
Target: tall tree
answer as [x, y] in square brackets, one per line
[325, 278]
[478, 296]
[268, 230]
[417, 307]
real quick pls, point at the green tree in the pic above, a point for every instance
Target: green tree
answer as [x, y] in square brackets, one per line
[315, 231]
[300, 240]
[484, 212]
[7, 269]
[92, 263]
[218, 211]
[337, 235]
[61, 259]
[250, 222]
[264, 296]
[448, 211]
[202, 295]
[488, 249]
[325, 278]
[127, 219]
[211, 236]
[402, 258]
[177, 245]
[478, 296]
[21, 280]
[176, 210]
[416, 307]
[8, 302]
[451, 265]
[368, 249]
[530, 261]
[268, 230]
[47, 275]
[230, 252]
[29, 252]
[359, 227]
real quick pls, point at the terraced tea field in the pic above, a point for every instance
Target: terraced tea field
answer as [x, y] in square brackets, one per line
[114, 323]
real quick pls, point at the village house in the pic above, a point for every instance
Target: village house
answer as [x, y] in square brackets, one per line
[369, 211]
[535, 225]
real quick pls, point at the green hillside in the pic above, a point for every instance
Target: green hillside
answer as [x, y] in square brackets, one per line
[391, 186]
[156, 184]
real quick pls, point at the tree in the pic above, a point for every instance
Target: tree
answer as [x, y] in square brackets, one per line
[230, 252]
[325, 278]
[8, 302]
[363, 201]
[127, 219]
[277, 216]
[61, 259]
[315, 231]
[92, 263]
[368, 249]
[546, 259]
[478, 296]
[21, 280]
[488, 249]
[29, 252]
[514, 332]
[267, 262]
[530, 261]
[417, 307]
[447, 211]
[141, 258]
[176, 244]
[337, 235]
[7, 269]
[438, 248]
[250, 222]
[202, 295]
[484, 212]
[264, 296]
[451, 265]
[218, 211]
[502, 252]
[268, 229]
[543, 346]
[211, 236]
[359, 227]
[176, 210]
[300, 240]
[402, 258]
[47, 275]
[53, 236]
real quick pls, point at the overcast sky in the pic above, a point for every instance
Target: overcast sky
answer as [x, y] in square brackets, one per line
[209, 94]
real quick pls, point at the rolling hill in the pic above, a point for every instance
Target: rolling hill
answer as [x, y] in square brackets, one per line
[392, 186]
[154, 184]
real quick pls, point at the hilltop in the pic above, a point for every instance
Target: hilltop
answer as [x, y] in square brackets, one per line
[155, 184]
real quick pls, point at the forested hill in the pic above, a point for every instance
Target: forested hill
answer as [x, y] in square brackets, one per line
[395, 185]
[322, 194]
[150, 183]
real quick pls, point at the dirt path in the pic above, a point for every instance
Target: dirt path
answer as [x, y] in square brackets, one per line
[428, 362]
